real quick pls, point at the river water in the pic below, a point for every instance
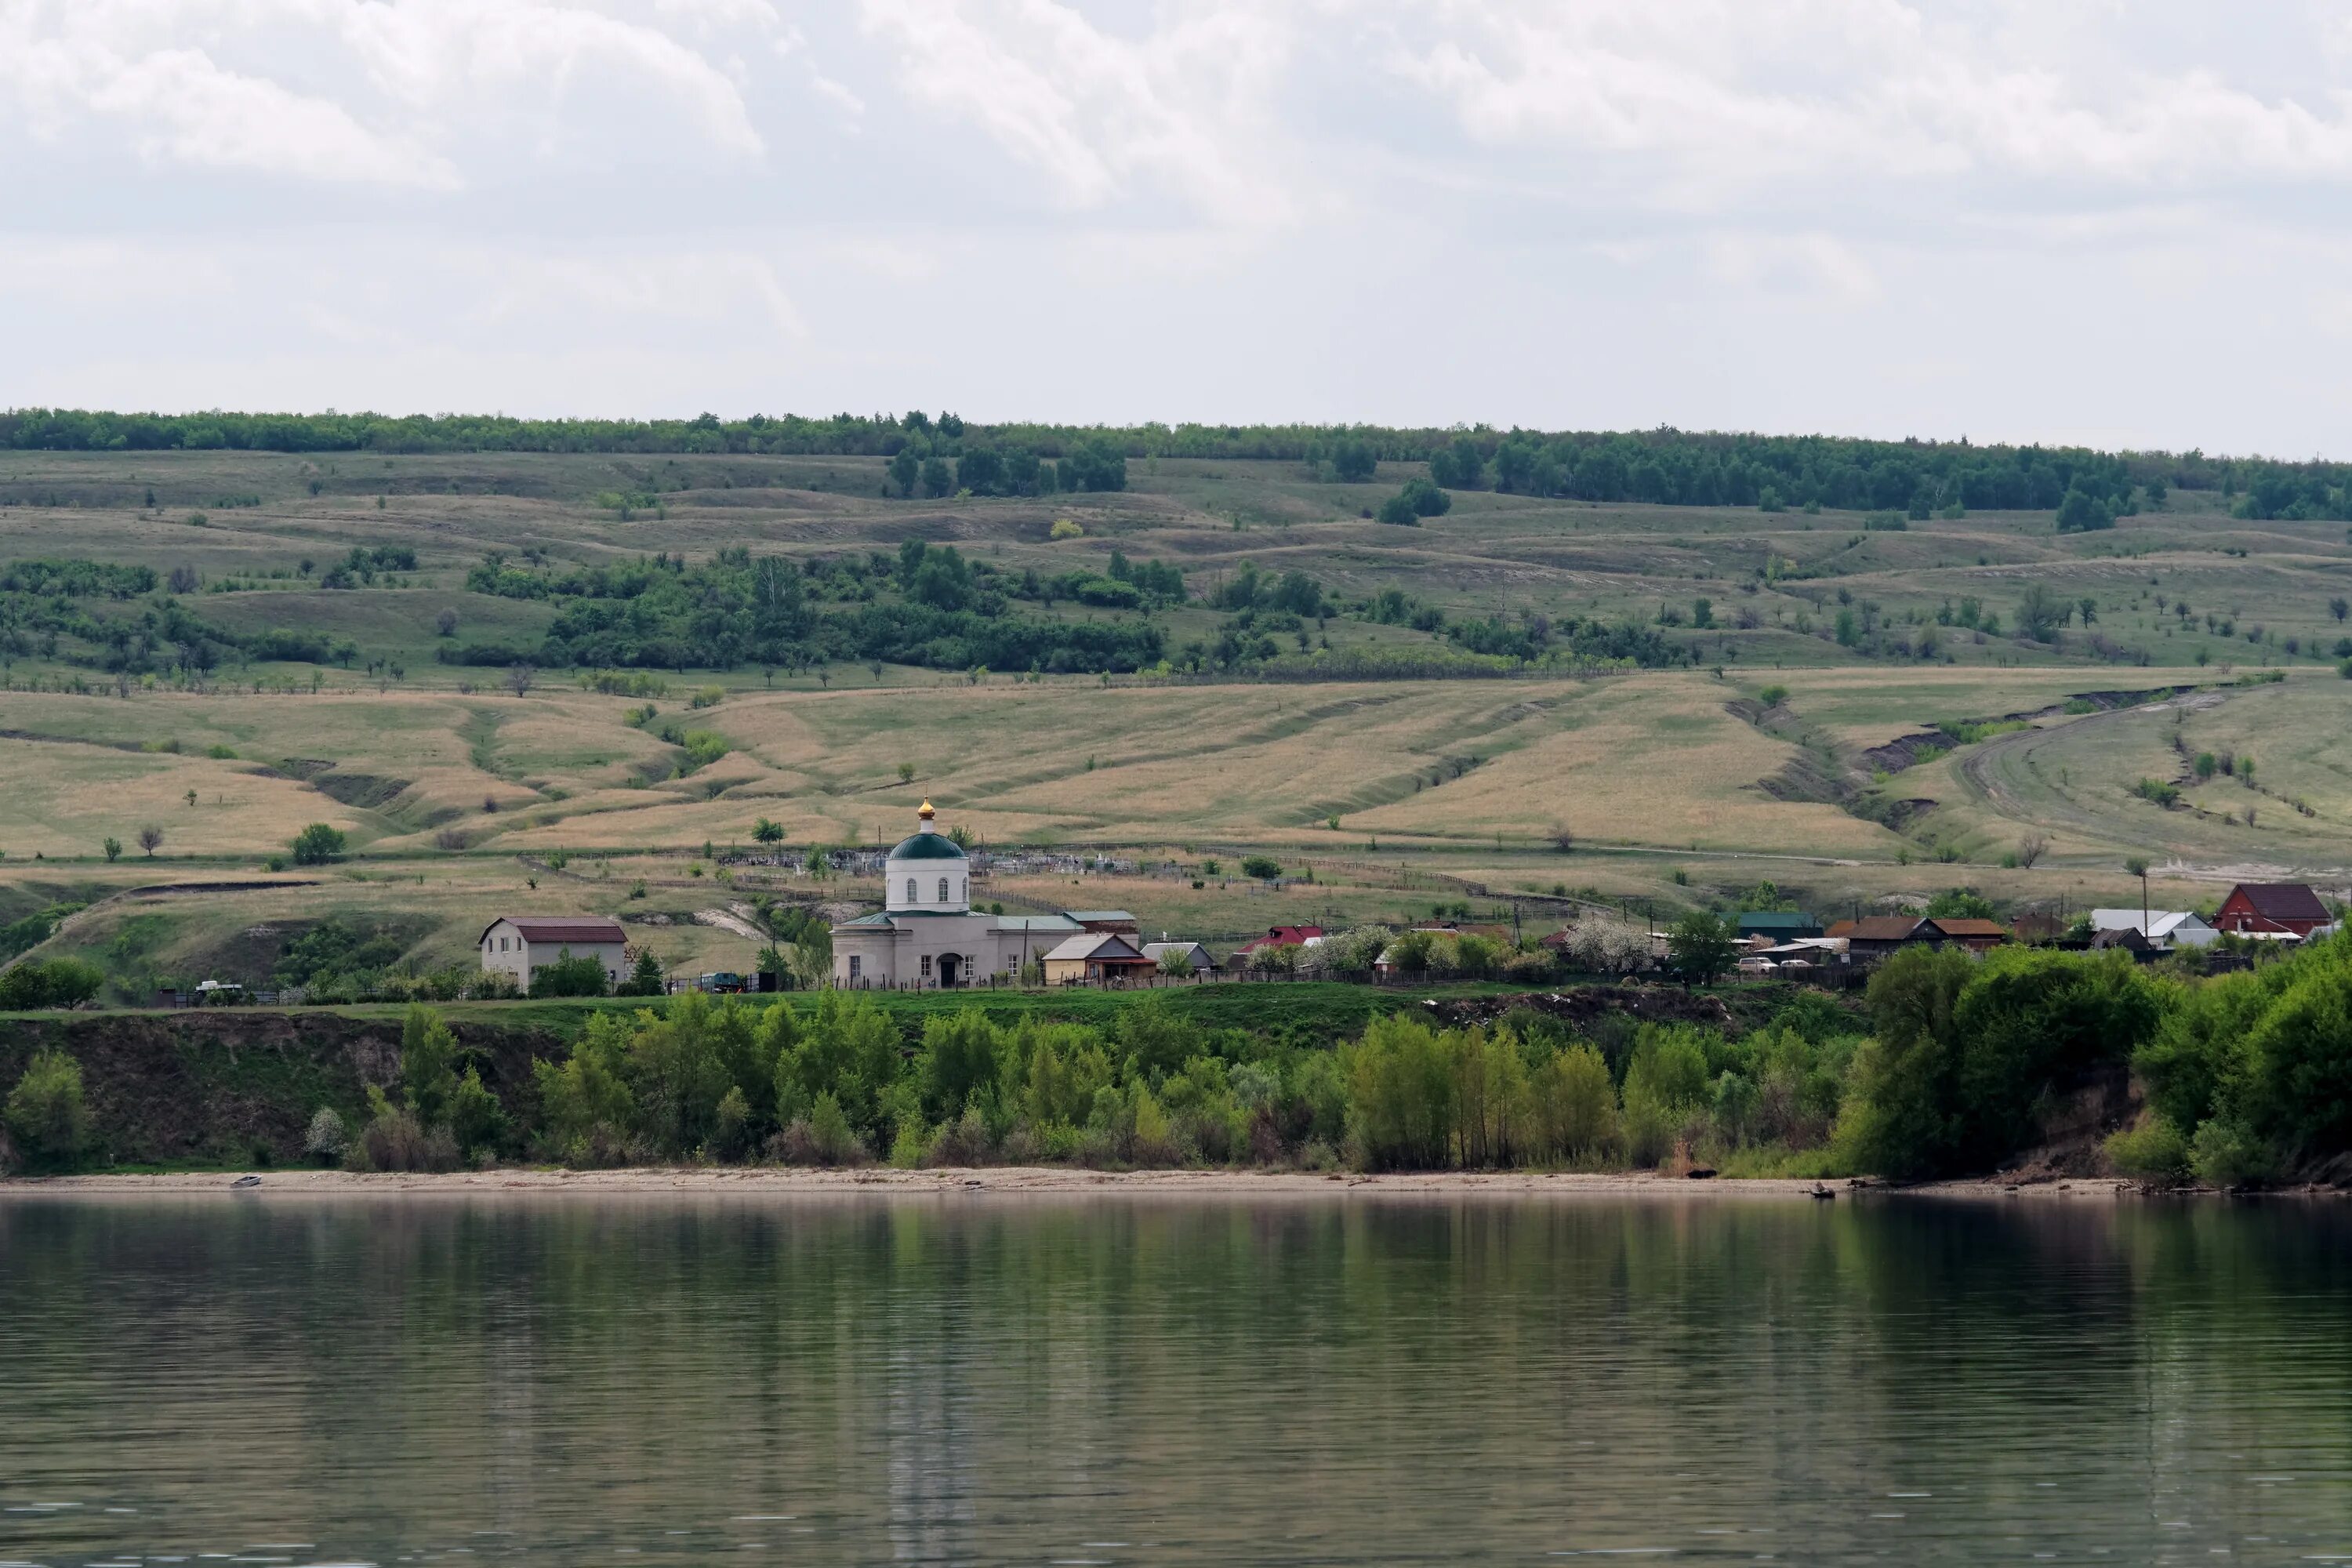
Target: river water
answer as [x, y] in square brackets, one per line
[990, 1378]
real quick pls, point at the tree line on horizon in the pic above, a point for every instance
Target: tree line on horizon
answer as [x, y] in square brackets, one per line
[1956, 1066]
[929, 454]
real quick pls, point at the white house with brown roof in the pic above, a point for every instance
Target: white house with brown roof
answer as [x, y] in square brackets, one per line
[518, 944]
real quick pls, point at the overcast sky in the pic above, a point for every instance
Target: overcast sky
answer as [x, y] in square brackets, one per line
[2121, 222]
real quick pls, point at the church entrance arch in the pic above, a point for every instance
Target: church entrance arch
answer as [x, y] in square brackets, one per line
[950, 969]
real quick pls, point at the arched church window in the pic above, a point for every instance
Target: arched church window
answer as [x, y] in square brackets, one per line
[913, 897]
[943, 890]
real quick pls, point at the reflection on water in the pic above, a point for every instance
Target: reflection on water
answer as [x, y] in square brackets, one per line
[981, 1378]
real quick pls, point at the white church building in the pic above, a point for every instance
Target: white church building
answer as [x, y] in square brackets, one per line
[928, 933]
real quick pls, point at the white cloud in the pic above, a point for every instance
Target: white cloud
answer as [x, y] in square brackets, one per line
[439, 57]
[719, 286]
[1186, 107]
[1802, 263]
[359, 91]
[184, 106]
[1720, 91]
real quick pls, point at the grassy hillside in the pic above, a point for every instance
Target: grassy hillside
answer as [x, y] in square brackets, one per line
[1919, 751]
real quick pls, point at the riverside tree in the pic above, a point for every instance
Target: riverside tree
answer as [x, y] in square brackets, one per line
[44, 1114]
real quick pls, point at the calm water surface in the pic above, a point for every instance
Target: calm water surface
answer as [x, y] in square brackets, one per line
[984, 1378]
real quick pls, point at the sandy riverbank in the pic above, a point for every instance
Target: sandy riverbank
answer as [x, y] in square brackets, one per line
[1056, 1180]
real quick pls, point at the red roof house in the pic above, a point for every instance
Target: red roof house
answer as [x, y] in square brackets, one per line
[1275, 936]
[2272, 908]
[1281, 936]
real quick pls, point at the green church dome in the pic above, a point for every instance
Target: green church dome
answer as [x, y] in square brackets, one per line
[928, 846]
[930, 843]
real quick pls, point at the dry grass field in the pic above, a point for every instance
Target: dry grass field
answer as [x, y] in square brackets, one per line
[1644, 759]
[1673, 786]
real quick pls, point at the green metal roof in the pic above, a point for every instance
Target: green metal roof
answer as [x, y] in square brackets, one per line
[928, 846]
[1082, 916]
[891, 917]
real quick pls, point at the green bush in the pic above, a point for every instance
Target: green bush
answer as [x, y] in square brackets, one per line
[824, 1137]
[1575, 1106]
[32, 930]
[1960, 903]
[2297, 1088]
[45, 1112]
[1968, 1053]
[1701, 945]
[428, 1057]
[59, 982]
[1400, 1097]
[570, 977]
[1896, 1120]
[730, 1131]
[644, 977]
[703, 747]
[2152, 1148]
[394, 1139]
[317, 845]
[1425, 498]
[1666, 1084]
[2033, 1022]
[2226, 1153]
[477, 1122]
[588, 1109]
[2264, 1059]
[2198, 1050]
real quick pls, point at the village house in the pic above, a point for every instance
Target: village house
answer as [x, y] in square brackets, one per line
[518, 945]
[1877, 936]
[2163, 927]
[1275, 936]
[1096, 955]
[1195, 956]
[2272, 909]
[1975, 934]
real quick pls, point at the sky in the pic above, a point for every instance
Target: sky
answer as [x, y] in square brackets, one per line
[2124, 223]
